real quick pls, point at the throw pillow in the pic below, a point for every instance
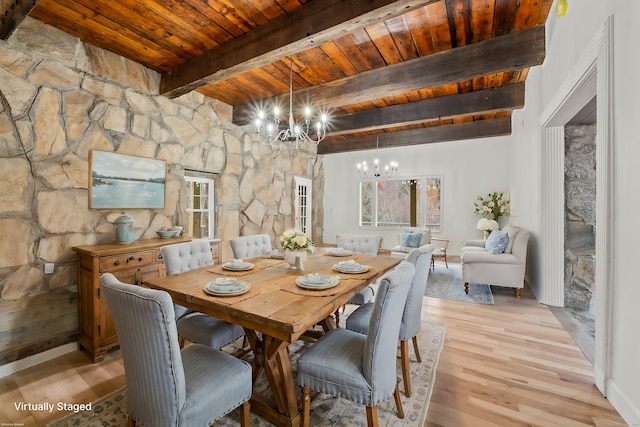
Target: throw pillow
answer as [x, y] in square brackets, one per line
[410, 239]
[496, 242]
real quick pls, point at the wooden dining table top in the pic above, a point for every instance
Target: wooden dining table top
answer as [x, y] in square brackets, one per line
[274, 305]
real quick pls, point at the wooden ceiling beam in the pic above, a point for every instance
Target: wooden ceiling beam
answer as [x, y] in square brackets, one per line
[486, 101]
[454, 132]
[308, 26]
[12, 12]
[513, 51]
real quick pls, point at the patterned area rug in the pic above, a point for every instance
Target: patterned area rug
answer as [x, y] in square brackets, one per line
[446, 283]
[110, 411]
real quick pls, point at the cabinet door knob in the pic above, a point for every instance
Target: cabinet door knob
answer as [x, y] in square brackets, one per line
[130, 258]
[116, 262]
[140, 259]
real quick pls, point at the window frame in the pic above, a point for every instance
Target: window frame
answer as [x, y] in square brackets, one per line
[421, 206]
[210, 211]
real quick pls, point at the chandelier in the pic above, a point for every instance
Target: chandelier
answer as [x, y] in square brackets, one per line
[268, 128]
[377, 171]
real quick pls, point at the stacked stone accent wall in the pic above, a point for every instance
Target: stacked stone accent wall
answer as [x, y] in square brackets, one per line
[60, 99]
[580, 217]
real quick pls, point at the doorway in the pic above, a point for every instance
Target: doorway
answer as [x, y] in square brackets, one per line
[590, 77]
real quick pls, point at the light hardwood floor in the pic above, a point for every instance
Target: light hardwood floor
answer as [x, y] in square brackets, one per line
[508, 364]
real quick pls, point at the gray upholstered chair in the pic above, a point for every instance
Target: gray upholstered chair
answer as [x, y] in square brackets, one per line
[250, 246]
[367, 244]
[194, 326]
[167, 386]
[357, 367]
[411, 323]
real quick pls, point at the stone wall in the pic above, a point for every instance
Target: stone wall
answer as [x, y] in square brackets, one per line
[580, 216]
[60, 99]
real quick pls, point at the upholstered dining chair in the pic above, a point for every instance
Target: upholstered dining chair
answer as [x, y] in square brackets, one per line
[439, 252]
[411, 323]
[250, 246]
[357, 367]
[366, 244]
[167, 386]
[193, 326]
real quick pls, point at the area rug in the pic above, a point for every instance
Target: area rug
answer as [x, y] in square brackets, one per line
[110, 411]
[446, 283]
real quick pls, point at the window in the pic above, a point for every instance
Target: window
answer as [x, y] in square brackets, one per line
[200, 207]
[401, 203]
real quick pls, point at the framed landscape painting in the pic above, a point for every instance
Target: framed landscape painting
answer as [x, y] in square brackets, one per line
[121, 181]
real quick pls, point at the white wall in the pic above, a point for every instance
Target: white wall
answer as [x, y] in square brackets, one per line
[468, 168]
[567, 37]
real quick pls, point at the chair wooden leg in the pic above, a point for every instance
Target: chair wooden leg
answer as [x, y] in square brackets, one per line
[181, 342]
[518, 292]
[131, 422]
[404, 361]
[445, 261]
[372, 416]
[416, 350]
[466, 288]
[306, 406]
[396, 397]
[244, 414]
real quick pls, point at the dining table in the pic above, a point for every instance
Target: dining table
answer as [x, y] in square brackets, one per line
[275, 308]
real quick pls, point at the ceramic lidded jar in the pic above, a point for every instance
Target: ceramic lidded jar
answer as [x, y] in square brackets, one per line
[125, 233]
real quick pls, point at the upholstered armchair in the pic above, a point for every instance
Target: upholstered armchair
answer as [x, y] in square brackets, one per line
[357, 367]
[194, 326]
[250, 246]
[167, 386]
[409, 239]
[506, 268]
[411, 323]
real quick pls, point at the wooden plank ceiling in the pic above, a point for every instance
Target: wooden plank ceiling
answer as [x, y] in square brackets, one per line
[411, 71]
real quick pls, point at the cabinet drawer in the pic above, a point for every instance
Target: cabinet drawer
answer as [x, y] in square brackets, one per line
[127, 260]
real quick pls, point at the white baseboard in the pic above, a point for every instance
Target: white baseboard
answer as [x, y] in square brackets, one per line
[36, 359]
[628, 410]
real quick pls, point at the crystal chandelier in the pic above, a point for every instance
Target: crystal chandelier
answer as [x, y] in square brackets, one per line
[377, 171]
[268, 128]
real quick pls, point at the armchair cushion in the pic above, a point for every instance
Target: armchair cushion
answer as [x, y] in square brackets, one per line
[497, 242]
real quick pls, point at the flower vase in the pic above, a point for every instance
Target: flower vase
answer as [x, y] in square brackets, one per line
[486, 234]
[295, 259]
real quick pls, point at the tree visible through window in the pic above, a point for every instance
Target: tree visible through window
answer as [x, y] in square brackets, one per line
[401, 202]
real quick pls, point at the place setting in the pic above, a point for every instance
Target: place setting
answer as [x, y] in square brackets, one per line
[226, 287]
[350, 267]
[339, 252]
[317, 281]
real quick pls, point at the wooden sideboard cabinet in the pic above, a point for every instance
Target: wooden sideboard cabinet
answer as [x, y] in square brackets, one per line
[130, 263]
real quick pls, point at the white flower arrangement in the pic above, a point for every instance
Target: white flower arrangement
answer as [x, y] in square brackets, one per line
[294, 241]
[495, 204]
[487, 224]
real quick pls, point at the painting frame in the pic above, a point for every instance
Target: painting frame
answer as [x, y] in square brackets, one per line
[124, 181]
